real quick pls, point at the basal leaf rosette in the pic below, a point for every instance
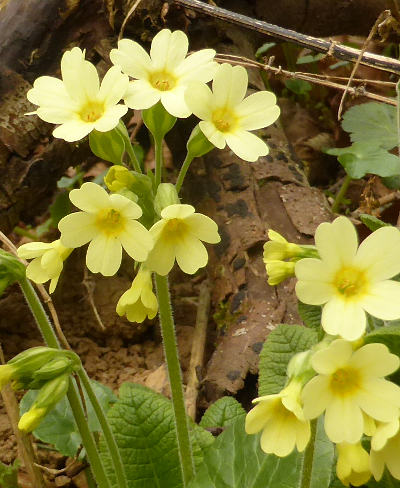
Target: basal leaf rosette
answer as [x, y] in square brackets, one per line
[165, 74]
[78, 102]
[353, 464]
[139, 301]
[109, 223]
[348, 281]
[48, 260]
[281, 420]
[179, 235]
[227, 117]
[349, 385]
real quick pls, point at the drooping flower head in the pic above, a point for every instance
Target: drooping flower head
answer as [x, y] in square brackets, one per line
[178, 235]
[139, 301]
[109, 223]
[353, 464]
[48, 260]
[350, 384]
[281, 419]
[227, 116]
[348, 281]
[165, 74]
[78, 102]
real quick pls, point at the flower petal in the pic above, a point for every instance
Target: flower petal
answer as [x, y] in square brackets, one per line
[34, 249]
[113, 86]
[132, 58]
[335, 356]
[198, 97]
[141, 95]
[259, 415]
[168, 49]
[56, 115]
[191, 254]
[375, 360]
[36, 273]
[174, 102]
[344, 318]
[246, 145]
[383, 300]
[52, 263]
[229, 85]
[129, 209]
[110, 118]
[380, 399]
[203, 228]
[316, 396]
[104, 255]
[90, 197]
[213, 134]
[343, 421]
[73, 130]
[379, 254]
[50, 92]
[79, 76]
[77, 229]
[198, 66]
[177, 211]
[136, 240]
[258, 110]
[161, 258]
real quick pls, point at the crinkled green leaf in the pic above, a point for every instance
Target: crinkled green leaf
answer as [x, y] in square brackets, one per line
[310, 315]
[373, 223]
[372, 122]
[144, 428]
[222, 413]
[323, 458]
[59, 427]
[280, 346]
[388, 335]
[366, 157]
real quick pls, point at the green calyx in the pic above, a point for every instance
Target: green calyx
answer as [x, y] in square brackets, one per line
[166, 195]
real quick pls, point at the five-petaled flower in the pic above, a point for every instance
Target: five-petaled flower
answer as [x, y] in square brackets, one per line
[178, 235]
[48, 260]
[109, 223]
[349, 282]
[349, 385]
[281, 419]
[139, 301]
[227, 117]
[165, 74]
[78, 102]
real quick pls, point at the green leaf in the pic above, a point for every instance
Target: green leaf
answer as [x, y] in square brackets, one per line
[323, 458]
[388, 335]
[299, 87]
[339, 64]
[392, 182]
[144, 428]
[9, 474]
[264, 48]
[310, 315]
[222, 413]
[366, 157]
[373, 223]
[235, 460]
[280, 346]
[309, 58]
[69, 183]
[372, 122]
[109, 146]
[60, 208]
[158, 120]
[58, 427]
[386, 482]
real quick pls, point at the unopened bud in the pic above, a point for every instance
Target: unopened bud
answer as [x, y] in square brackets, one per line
[166, 195]
[198, 144]
[279, 271]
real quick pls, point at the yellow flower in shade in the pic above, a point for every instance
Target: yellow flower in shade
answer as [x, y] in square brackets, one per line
[278, 248]
[78, 102]
[139, 301]
[227, 117]
[349, 384]
[32, 419]
[348, 281]
[278, 271]
[178, 235]
[388, 456]
[381, 432]
[165, 74]
[48, 260]
[6, 374]
[109, 223]
[353, 464]
[281, 419]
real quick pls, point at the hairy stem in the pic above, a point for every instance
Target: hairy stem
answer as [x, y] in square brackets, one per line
[309, 457]
[175, 378]
[159, 160]
[183, 171]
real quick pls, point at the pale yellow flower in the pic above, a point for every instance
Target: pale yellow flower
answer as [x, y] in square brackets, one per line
[353, 464]
[348, 281]
[349, 384]
[227, 117]
[31, 420]
[279, 271]
[48, 260]
[178, 235]
[78, 102]
[281, 419]
[388, 456]
[165, 74]
[380, 432]
[278, 248]
[109, 223]
[139, 301]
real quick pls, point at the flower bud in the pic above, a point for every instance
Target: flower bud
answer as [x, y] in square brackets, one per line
[11, 270]
[278, 271]
[166, 195]
[198, 144]
[278, 248]
[118, 177]
[158, 120]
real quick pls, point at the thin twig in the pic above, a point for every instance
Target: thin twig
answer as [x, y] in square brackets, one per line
[198, 345]
[355, 91]
[90, 286]
[128, 16]
[382, 16]
[330, 47]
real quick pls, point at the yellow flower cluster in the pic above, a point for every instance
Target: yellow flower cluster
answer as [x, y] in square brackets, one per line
[350, 389]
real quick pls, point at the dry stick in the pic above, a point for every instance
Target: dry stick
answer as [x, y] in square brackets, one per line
[198, 344]
[332, 48]
[358, 91]
[128, 16]
[24, 442]
[381, 18]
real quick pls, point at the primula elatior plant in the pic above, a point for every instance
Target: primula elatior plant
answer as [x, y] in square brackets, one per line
[327, 384]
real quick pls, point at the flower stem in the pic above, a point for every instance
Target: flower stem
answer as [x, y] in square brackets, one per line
[183, 171]
[341, 194]
[175, 378]
[159, 159]
[107, 432]
[51, 340]
[309, 458]
[133, 158]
